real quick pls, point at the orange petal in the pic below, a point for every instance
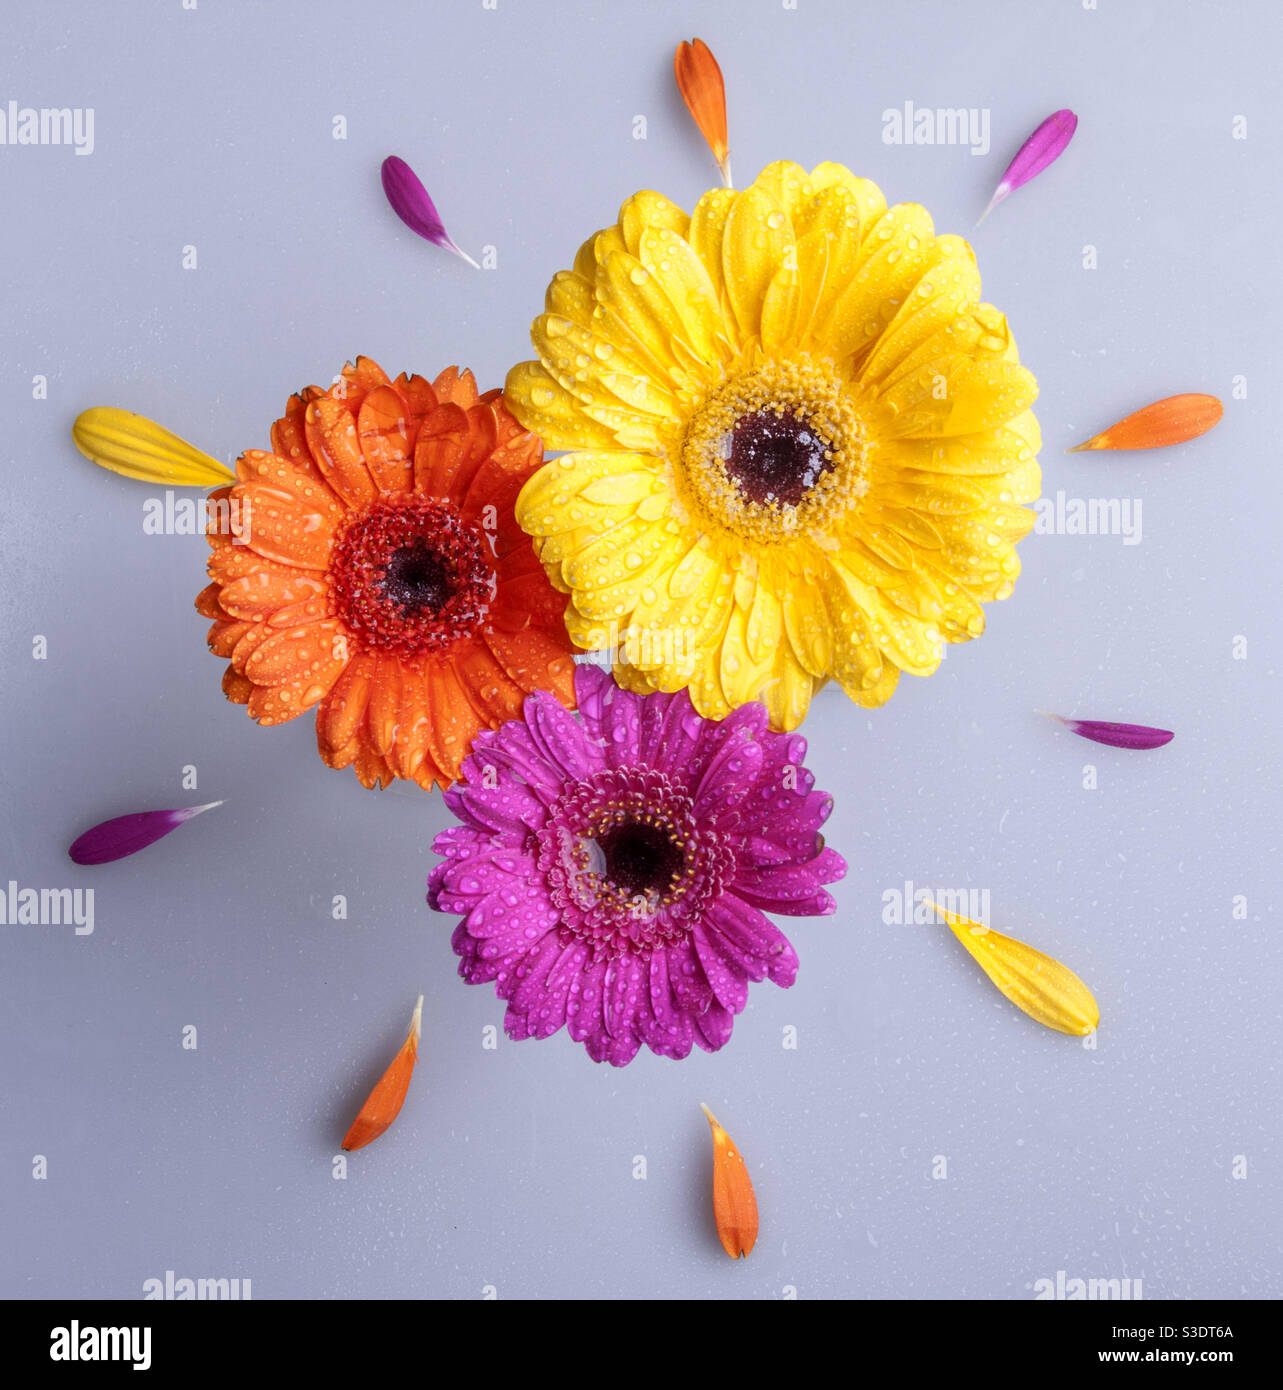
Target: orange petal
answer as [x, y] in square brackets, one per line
[487, 684]
[385, 702]
[293, 655]
[236, 687]
[452, 721]
[523, 599]
[1172, 420]
[535, 660]
[207, 604]
[283, 529]
[734, 1204]
[269, 589]
[420, 400]
[456, 386]
[289, 438]
[496, 483]
[442, 452]
[371, 768]
[248, 643]
[331, 436]
[700, 81]
[221, 536]
[384, 429]
[304, 484]
[225, 634]
[412, 727]
[354, 384]
[343, 710]
[384, 1103]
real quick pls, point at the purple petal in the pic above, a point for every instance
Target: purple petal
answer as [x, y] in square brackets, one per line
[125, 835]
[730, 984]
[1117, 735]
[1043, 147]
[560, 737]
[411, 203]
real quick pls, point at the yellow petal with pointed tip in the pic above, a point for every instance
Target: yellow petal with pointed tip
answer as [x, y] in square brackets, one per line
[1046, 990]
[140, 448]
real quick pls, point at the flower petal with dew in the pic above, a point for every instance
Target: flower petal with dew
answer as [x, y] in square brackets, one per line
[1116, 735]
[125, 835]
[734, 1203]
[384, 1102]
[372, 570]
[1047, 991]
[140, 448]
[613, 873]
[1173, 420]
[699, 79]
[799, 443]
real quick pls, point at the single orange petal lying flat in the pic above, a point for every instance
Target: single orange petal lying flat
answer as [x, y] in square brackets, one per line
[384, 1103]
[734, 1204]
[699, 79]
[1172, 420]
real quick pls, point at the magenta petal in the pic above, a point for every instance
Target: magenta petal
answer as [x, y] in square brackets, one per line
[1043, 147]
[125, 835]
[1117, 735]
[412, 204]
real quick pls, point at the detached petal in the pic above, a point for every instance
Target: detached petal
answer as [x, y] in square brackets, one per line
[1047, 991]
[140, 448]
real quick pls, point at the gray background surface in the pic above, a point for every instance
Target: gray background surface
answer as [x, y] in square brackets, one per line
[513, 1167]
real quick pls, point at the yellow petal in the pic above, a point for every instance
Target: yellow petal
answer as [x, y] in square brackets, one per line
[784, 182]
[140, 448]
[543, 406]
[741, 672]
[829, 235]
[584, 490]
[645, 210]
[692, 293]
[637, 299]
[708, 231]
[948, 288]
[571, 352]
[616, 555]
[892, 258]
[984, 453]
[956, 395]
[788, 697]
[910, 642]
[780, 311]
[1046, 990]
[758, 241]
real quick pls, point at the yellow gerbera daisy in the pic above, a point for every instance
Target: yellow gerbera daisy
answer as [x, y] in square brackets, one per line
[800, 443]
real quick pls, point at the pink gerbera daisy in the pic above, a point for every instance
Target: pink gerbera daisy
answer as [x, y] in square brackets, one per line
[613, 870]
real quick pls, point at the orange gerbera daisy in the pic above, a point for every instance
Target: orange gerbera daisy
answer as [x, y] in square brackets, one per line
[372, 566]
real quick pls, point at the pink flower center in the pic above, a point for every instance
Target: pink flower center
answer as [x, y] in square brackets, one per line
[627, 865]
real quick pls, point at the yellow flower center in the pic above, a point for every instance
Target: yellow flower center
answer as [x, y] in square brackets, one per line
[776, 450]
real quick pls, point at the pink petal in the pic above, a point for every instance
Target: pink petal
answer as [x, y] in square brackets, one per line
[411, 203]
[1043, 147]
[1117, 735]
[125, 835]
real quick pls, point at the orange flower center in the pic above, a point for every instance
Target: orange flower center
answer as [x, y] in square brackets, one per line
[411, 578]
